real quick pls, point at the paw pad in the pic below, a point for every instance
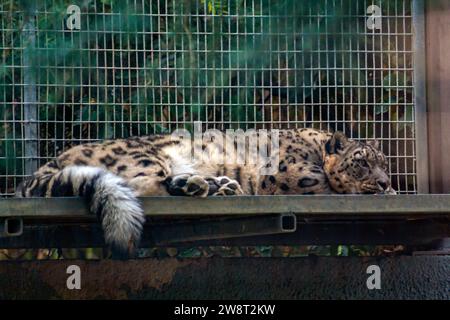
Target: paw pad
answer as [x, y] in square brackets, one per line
[188, 185]
[227, 187]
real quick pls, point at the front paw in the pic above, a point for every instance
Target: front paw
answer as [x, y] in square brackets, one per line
[188, 185]
[227, 187]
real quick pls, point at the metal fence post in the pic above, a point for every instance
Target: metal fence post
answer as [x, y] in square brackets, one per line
[30, 114]
[438, 93]
[418, 19]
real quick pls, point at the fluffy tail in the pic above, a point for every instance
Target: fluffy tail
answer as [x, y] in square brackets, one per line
[108, 197]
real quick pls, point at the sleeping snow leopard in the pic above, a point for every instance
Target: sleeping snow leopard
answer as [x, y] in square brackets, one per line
[111, 174]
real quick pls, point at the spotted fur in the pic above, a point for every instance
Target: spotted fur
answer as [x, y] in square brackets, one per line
[111, 174]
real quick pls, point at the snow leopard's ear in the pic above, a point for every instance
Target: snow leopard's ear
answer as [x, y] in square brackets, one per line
[337, 143]
[374, 143]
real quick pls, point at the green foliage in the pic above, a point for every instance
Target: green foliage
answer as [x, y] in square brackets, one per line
[215, 7]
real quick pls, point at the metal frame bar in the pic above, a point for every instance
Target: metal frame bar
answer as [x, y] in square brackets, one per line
[421, 144]
[318, 206]
[426, 233]
[438, 95]
[30, 102]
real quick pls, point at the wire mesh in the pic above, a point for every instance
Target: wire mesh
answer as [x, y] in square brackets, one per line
[139, 67]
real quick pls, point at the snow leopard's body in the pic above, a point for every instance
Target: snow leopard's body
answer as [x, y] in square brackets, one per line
[111, 174]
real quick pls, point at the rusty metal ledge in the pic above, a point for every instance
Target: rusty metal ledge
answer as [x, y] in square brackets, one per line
[230, 278]
[319, 206]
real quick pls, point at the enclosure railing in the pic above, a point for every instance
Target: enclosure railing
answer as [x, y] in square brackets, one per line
[408, 220]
